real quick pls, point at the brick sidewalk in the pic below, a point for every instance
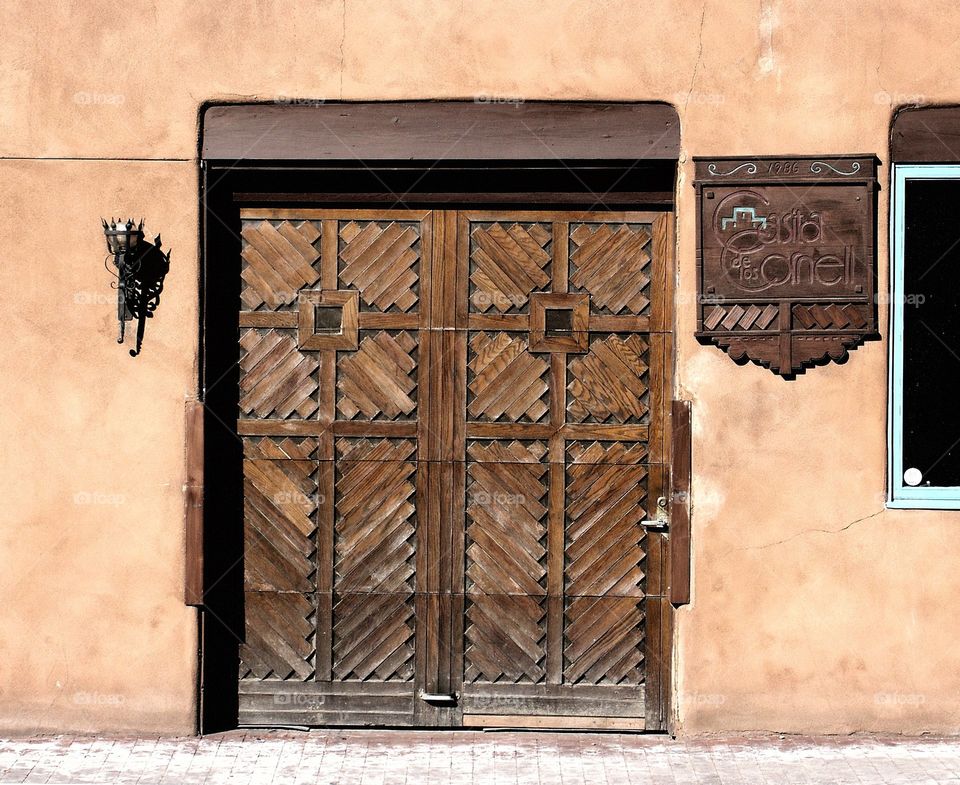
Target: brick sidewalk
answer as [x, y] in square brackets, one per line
[423, 757]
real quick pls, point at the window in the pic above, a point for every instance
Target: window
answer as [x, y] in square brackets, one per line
[925, 337]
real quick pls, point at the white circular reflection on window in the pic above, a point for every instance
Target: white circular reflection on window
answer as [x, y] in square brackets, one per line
[912, 476]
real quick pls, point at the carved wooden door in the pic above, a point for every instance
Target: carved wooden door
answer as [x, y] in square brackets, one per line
[568, 352]
[453, 429]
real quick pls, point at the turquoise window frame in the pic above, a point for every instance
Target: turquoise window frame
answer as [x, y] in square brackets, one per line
[899, 495]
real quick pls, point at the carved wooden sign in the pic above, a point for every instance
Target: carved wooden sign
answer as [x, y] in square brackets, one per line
[785, 251]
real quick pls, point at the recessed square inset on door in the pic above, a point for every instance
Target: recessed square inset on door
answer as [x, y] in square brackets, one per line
[327, 320]
[559, 322]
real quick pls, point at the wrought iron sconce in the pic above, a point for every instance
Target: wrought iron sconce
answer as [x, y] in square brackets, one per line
[141, 268]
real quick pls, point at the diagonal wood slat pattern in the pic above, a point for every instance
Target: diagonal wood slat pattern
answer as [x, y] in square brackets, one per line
[612, 262]
[604, 555]
[604, 538]
[606, 452]
[378, 381]
[279, 505]
[507, 381]
[279, 634]
[279, 259]
[506, 264]
[505, 562]
[380, 259]
[739, 317]
[603, 641]
[375, 516]
[373, 637]
[609, 383]
[276, 379]
[832, 315]
[280, 448]
[374, 552]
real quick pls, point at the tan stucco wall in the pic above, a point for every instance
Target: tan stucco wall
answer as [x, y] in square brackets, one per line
[814, 610]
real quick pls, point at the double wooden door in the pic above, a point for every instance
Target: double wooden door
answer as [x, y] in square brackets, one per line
[453, 427]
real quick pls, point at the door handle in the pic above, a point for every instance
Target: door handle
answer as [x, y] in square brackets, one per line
[440, 697]
[661, 523]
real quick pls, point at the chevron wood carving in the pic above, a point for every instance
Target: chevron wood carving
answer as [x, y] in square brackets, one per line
[375, 516]
[279, 258]
[603, 633]
[506, 573]
[603, 641]
[611, 262]
[381, 260]
[507, 263]
[279, 636]
[375, 547]
[606, 452]
[609, 383]
[280, 448]
[604, 538]
[373, 637]
[506, 381]
[830, 316]
[279, 502]
[276, 379]
[739, 317]
[378, 381]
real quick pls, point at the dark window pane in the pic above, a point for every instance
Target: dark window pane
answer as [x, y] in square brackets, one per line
[327, 319]
[931, 331]
[558, 321]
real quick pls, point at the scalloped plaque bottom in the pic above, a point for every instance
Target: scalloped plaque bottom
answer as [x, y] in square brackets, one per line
[786, 354]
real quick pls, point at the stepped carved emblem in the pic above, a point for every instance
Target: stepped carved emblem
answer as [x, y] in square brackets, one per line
[507, 263]
[609, 383]
[378, 380]
[279, 259]
[276, 379]
[373, 613]
[773, 239]
[612, 262]
[380, 259]
[507, 381]
[506, 550]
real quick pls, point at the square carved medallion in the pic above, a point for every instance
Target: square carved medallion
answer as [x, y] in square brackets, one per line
[559, 322]
[327, 320]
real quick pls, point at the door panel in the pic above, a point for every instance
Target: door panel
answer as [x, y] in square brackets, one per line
[453, 428]
[564, 318]
[332, 324]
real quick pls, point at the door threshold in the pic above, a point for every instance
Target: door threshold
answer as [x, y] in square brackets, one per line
[530, 722]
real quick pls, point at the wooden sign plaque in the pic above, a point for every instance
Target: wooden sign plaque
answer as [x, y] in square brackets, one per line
[785, 253]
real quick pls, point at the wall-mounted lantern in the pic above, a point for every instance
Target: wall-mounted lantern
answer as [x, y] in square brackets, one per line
[141, 268]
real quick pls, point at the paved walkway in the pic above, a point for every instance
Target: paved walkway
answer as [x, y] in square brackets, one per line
[425, 757]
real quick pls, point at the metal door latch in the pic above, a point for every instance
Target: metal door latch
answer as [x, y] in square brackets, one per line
[443, 698]
[661, 522]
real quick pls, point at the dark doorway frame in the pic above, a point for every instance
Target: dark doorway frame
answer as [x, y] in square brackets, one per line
[534, 155]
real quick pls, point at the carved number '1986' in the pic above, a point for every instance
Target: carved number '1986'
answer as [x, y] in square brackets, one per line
[784, 167]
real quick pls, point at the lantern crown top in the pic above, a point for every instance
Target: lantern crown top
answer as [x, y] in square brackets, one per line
[124, 237]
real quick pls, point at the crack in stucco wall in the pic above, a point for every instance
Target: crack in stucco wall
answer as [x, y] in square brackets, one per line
[809, 531]
[696, 64]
